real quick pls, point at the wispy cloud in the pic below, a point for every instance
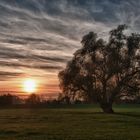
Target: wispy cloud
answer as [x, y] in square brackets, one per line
[43, 35]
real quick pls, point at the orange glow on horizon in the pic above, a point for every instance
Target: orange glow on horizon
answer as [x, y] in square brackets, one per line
[30, 84]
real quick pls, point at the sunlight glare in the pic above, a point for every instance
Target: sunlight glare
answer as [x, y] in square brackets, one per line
[29, 85]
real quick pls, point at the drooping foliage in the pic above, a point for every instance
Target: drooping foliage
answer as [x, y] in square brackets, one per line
[102, 71]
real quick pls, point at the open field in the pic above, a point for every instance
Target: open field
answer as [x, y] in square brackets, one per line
[84, 122]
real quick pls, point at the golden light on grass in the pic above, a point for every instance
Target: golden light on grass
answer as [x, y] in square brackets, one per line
[29, 85]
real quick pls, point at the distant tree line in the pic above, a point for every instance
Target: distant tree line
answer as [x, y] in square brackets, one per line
[8, 99]
[31, 100]
[34, 100]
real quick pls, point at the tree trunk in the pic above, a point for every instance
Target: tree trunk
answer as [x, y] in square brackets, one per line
[107, 108]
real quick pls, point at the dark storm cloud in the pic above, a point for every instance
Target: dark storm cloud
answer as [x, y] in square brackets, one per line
[43, 34]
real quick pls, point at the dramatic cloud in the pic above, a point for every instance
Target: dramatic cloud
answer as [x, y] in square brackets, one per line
[4, 74]
[38, 37]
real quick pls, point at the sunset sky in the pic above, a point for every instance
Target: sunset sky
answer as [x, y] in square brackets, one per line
[38, 37]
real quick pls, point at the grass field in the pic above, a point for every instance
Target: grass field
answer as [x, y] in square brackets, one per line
[84, 122]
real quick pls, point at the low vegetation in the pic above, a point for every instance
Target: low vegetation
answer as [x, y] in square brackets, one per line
[76, 122]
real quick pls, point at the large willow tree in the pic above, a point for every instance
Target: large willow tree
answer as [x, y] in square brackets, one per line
[103, 70]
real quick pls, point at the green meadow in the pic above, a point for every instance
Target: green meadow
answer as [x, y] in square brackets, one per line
[76, 122]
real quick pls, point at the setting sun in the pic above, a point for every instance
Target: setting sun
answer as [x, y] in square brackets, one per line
[29, 85]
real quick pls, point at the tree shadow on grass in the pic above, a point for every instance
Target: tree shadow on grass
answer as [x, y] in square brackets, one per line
[128, 114]
[125, 114]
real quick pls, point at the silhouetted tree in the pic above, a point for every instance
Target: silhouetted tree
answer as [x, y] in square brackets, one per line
[33, 99]
[8, 99]
[103, 71]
